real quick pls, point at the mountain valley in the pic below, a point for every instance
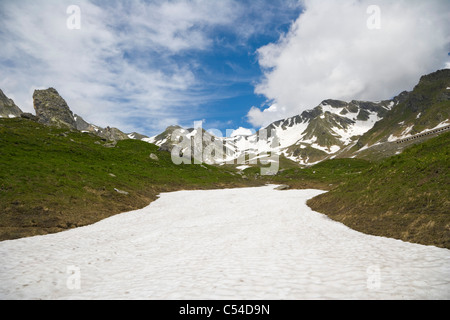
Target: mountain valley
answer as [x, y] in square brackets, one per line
[385, 164]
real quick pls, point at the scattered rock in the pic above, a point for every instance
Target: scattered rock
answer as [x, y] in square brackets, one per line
[121, 191]
[154, 157]
[283, 187]
[112, 175]
[166, 148]
[112, 134]
[29, 116]
[110, 145]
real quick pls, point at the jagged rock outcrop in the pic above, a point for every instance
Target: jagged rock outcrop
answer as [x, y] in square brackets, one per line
[82, 125]
[8, 108]
[112, 134]
[52, 109]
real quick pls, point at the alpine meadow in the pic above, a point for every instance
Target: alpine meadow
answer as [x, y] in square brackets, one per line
[225, 150]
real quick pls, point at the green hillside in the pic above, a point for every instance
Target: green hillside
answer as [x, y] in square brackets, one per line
[427, 106]
[405, 197]
[325, 175]
[56, 179]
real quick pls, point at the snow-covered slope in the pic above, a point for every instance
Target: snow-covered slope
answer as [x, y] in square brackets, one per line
[197, 144]
[314, 135]
[319, 133]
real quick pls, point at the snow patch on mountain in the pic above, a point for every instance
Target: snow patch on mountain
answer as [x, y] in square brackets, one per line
[406, 133]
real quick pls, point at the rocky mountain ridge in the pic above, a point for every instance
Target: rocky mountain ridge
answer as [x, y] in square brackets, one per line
[8, 109]
[334, 129]
[52, 110]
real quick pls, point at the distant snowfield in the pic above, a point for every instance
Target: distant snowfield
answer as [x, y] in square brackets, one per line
[254, 243]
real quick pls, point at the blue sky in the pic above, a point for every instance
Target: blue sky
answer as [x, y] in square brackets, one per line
[143, 65]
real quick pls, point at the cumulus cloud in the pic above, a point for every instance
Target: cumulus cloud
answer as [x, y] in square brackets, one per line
[131, 64]
[262, 118]
[242, 132]
[100, 68]
[123, 67]
[332, 51]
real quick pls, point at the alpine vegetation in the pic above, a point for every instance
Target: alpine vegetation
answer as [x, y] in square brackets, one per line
[226, 150]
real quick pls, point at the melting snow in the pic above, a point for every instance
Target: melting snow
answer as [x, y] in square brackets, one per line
[254, 243]
[406, 133]
[358, 129]
[334, 149]
[389, 107]
[331, 109]
[290, 136]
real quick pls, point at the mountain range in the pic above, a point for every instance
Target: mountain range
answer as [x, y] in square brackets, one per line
[60, 172]
[333, 129]
[52, 110]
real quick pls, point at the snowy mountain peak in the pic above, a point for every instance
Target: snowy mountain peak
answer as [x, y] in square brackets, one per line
[333, 128]
[305, 138]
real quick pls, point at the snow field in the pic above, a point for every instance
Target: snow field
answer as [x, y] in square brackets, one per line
[253, 243]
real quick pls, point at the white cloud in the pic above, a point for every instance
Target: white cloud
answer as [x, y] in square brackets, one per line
[330, 52]
[132, 64]
[119, 66]
[171, 26]
[262, 118]
[242, 132]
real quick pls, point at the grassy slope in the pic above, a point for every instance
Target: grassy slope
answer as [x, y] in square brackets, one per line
[326, 175]
[405, 197]
[429, 99]
[53, 179]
